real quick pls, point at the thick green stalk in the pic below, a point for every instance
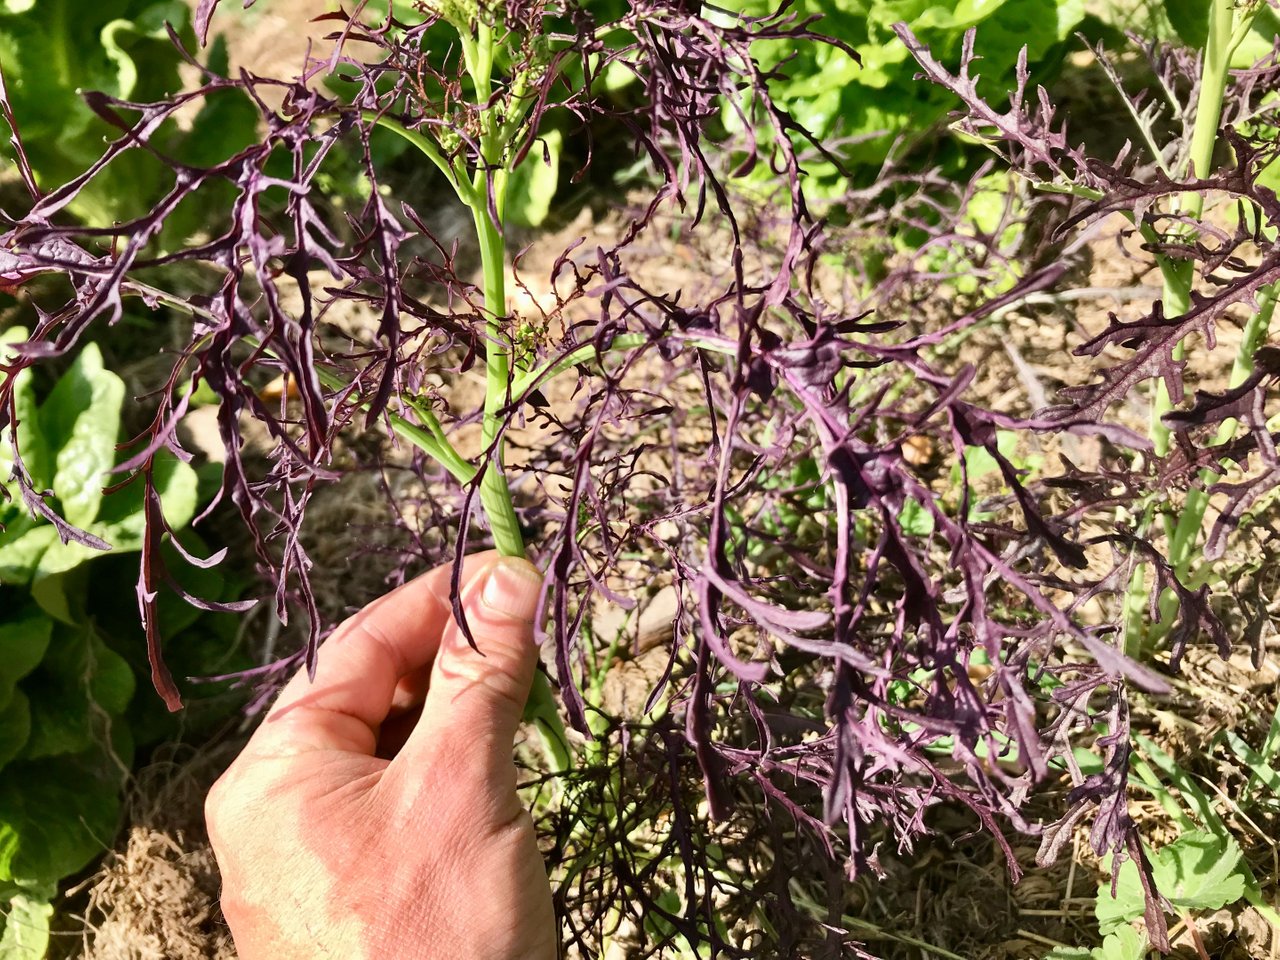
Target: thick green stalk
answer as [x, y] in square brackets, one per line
[1176, 298]
[1255, 334]
[1134, 613]
[484, 194]
[495, 495]
[1178, 279]
[487, 202]
[1213, 86]
[494, 492]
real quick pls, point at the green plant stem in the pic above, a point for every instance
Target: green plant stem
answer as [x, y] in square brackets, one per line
[1254, 335]
[494, 492]
[1134, 612]
[495, 495]
[60, 40]
[428, 149]
[486, 200]
[1178, 277]
[523, 383]
[1176, 298]
[431, 441]
[487, 184]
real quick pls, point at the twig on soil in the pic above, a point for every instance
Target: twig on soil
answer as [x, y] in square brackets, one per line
[1037, 938]
[1060, 912]
[1035, 389]
[1071, 871]
[1195, 937]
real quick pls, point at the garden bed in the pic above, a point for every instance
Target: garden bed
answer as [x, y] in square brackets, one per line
[992, 491]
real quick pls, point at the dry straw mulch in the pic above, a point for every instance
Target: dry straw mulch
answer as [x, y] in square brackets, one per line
[155, 897]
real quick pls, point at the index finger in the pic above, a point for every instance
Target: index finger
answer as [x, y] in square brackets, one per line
[359, 666]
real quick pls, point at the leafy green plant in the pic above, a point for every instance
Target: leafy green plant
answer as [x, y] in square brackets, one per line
[860, 97]
[1125, 943]
[51, 50]
[67, 727]
[1201, 870]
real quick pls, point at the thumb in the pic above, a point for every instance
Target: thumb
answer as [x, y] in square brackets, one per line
[476, 694]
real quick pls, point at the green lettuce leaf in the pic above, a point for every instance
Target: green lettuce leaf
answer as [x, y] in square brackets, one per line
[76, 691]
[26, 927]
[24, 638]
[82, 415]
[56, 816]
[15, 726]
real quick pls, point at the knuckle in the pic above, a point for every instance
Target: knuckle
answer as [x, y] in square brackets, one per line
[374, 633]
[225, 802]
[220, 809]
[214, 802]
[475, 677]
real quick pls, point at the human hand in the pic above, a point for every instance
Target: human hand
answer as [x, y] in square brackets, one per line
[374, 815]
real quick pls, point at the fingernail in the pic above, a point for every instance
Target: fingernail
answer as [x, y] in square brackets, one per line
[512, 588]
